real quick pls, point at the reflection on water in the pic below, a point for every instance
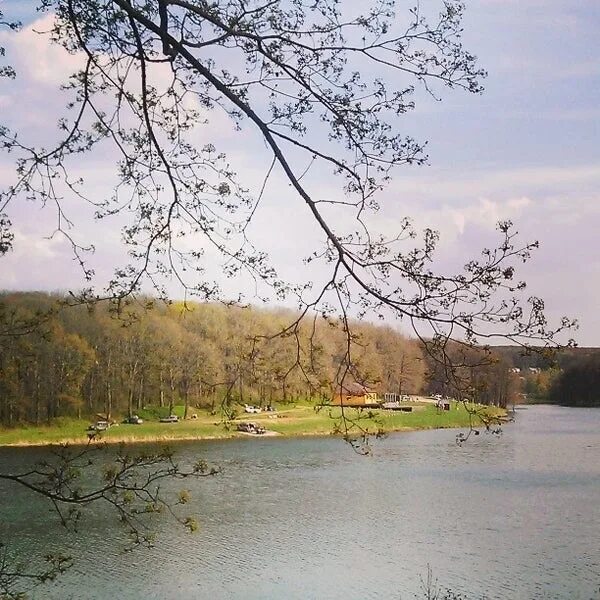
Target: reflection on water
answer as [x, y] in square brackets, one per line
[510, 517]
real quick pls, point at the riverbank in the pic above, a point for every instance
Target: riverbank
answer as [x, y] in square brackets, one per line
[296, 420]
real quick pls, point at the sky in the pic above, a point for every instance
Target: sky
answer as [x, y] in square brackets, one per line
[527, 149]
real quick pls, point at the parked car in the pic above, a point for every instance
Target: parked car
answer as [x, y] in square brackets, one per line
[252, 409]
[99, 426]
[134, 420]
[247, 427]
[170, 419]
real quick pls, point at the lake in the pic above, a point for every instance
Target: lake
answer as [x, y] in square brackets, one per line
[514, 516]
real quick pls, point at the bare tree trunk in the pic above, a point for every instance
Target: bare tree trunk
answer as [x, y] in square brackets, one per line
[140, 399]
[90, 398]
[162, 389]
[186, 400]
[36, 395]
[172, 390]
[131, 391]
[213, 399]
[108, 402]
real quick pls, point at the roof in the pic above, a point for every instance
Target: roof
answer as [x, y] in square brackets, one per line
[355, 389]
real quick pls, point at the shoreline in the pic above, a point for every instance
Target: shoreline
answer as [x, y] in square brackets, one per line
[296, 421]
[203, 438]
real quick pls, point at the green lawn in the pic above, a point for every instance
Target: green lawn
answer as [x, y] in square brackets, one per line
[304, 420]
[290, 420]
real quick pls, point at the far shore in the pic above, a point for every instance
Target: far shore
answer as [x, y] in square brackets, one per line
[290, 421]
[234, 435]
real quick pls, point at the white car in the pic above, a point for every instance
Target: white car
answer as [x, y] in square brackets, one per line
[170, 419]
[252, 409]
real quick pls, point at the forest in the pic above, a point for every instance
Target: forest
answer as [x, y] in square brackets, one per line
[578, 384]
[79, 361]
[569, 376]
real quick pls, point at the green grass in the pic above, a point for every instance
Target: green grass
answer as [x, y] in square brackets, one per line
[290, 420]
[303, 420]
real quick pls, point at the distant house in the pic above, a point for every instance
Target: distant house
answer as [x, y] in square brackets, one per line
[355, 395]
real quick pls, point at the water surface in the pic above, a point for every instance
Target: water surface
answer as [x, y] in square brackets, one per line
[516, 516]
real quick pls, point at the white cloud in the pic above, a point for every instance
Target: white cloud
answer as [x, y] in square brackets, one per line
[35, 58]
[47, 64]
[36, 262]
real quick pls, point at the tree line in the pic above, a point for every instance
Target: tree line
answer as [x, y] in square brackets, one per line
[578, 384]
[80, 361]
[568, 376]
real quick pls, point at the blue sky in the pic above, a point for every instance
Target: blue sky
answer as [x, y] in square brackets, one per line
[527, 149]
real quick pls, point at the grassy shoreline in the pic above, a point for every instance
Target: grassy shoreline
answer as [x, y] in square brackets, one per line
[295, 421]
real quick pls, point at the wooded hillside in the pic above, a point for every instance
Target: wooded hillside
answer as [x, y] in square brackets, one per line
[81, 362]
[578, 384]
[569, 376]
